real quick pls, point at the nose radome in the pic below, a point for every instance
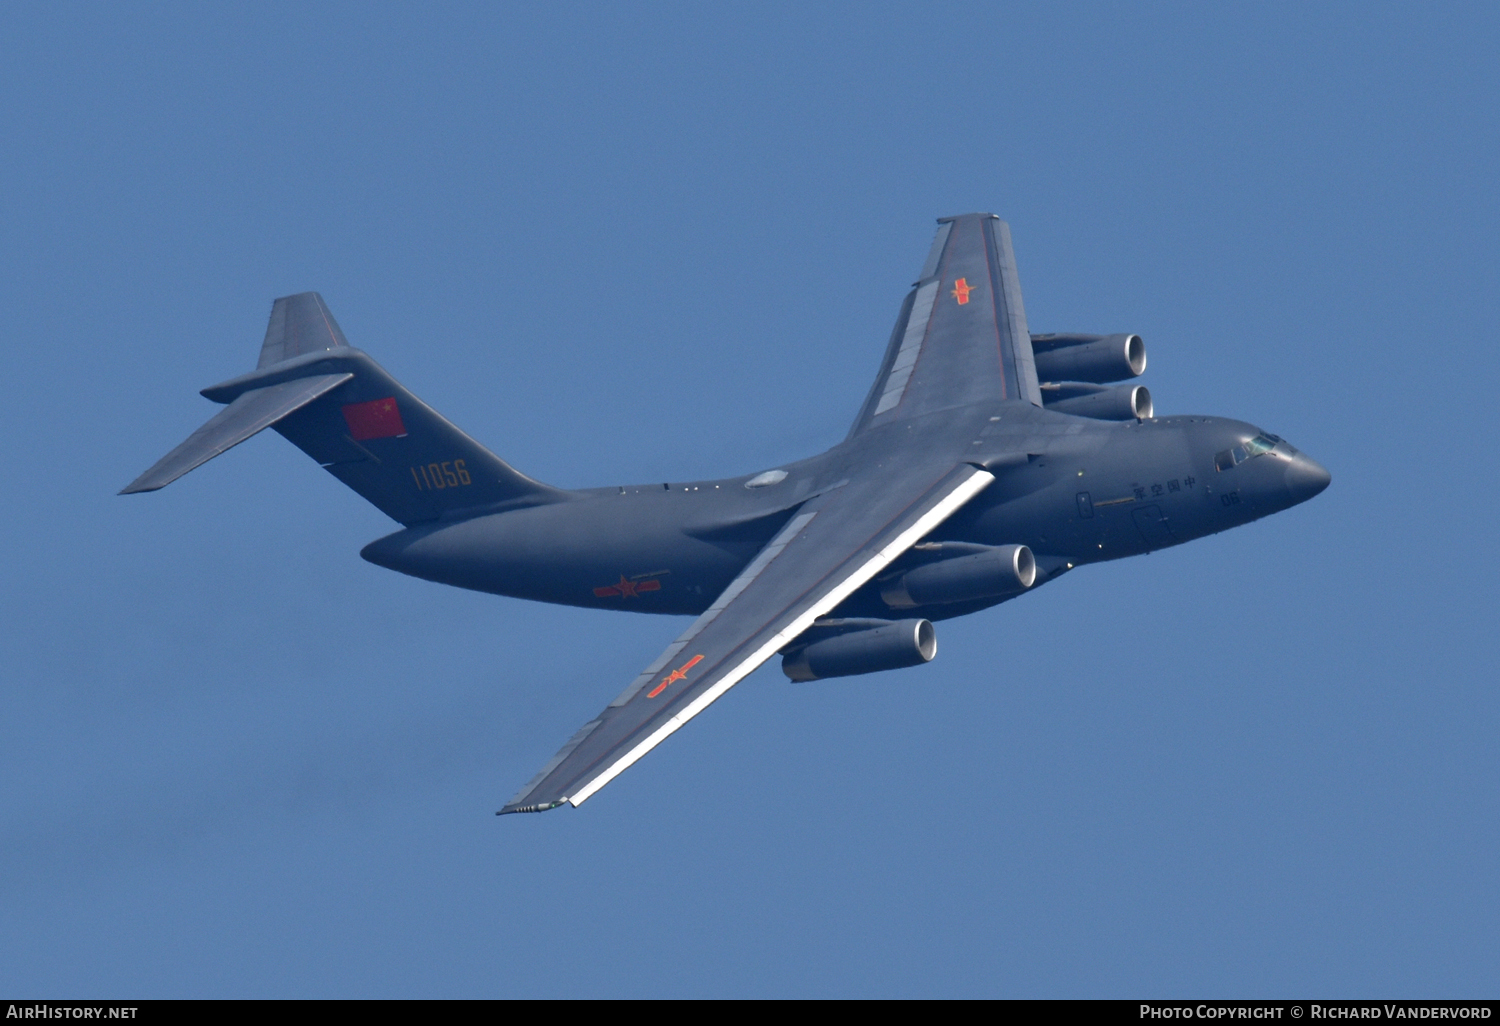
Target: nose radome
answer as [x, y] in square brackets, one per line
[1305, 478]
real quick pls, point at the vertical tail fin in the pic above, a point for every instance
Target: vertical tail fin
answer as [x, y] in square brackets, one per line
[300, 324]
[341, 408]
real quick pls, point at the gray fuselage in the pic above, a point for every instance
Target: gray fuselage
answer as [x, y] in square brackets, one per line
[1075, 490]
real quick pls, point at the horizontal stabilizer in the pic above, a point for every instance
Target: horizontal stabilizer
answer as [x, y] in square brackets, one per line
[253, 411]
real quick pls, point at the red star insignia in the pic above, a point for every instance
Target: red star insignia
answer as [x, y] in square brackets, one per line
[626, 588]
[676, 675]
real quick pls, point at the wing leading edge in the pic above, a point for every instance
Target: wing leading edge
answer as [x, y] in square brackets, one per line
[835, 543]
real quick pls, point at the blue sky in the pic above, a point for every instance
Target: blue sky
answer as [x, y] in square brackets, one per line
[668, 241]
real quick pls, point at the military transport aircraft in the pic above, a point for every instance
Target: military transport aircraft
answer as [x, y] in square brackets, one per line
[986, 461]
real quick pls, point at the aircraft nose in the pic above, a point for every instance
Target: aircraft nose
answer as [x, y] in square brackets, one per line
[1305, 478]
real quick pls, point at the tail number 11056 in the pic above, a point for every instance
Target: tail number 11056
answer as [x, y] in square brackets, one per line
[441, 475]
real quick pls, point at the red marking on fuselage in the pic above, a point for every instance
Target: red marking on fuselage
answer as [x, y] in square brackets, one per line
[626, 588]
[676, 675]
[378, 418]
[961, 290]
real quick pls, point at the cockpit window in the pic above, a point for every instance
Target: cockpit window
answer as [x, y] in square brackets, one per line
[1257, 446]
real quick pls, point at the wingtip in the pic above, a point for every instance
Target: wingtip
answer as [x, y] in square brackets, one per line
[544, 807]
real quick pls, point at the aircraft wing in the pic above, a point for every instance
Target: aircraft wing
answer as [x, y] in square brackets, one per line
[961, 336]
[832, 545]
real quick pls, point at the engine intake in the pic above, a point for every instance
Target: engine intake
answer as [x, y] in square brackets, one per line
[995, 572]
[889, 647]
[1100, 359]
[1122, 402]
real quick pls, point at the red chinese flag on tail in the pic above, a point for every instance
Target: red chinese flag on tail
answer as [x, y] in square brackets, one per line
[377, 418]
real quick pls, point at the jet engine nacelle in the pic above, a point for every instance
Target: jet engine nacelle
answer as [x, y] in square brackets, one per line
[996, 572]
[1122, 402]
[889, 647]
[1096, 358]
